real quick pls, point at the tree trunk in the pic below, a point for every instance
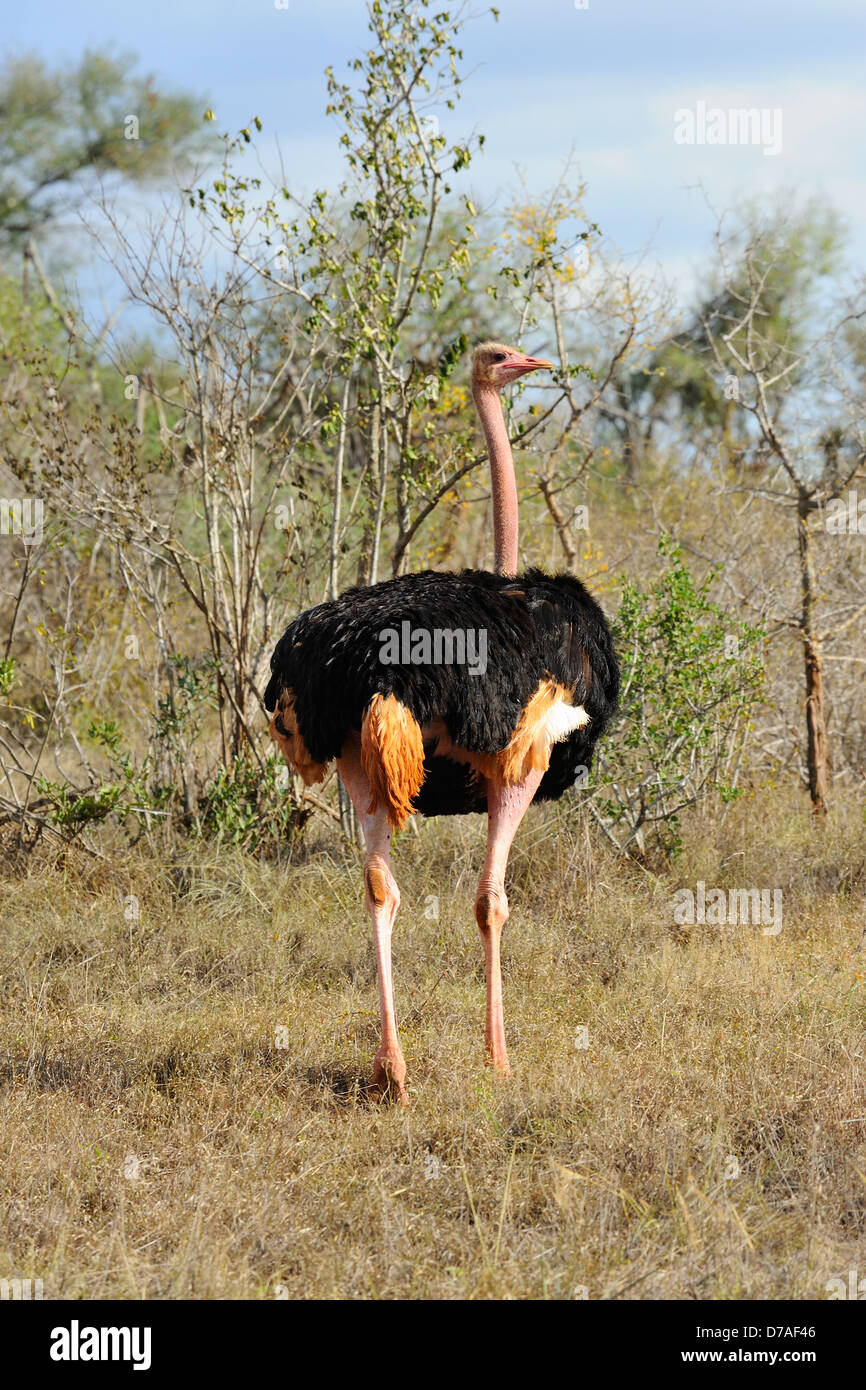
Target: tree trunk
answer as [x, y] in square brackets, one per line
[334, 544]
[816, 727]
[630, 437]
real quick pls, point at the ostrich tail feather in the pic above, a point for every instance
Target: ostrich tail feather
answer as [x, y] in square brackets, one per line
[392, 757]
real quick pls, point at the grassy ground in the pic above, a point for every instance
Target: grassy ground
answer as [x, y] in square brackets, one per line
[158, 1142]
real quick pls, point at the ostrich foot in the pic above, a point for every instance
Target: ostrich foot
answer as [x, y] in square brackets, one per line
[389, 1078]
[498, 1062]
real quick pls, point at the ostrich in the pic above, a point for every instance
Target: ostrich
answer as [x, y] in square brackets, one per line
[414, 730]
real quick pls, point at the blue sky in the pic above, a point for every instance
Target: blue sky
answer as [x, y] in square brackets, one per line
[549, 78]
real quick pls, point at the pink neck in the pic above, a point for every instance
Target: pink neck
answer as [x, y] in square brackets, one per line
[489, 408]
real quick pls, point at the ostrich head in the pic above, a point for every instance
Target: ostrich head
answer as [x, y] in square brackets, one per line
[496, 365]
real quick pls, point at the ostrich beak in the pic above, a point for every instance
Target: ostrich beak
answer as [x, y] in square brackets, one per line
[519, 364]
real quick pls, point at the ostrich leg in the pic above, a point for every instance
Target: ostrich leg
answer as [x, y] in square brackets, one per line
[506, 807]
[382, 897]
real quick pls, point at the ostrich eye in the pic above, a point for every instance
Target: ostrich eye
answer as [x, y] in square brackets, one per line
[498, 357]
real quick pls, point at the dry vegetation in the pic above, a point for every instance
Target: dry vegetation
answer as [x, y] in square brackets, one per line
[187, 979]
[149, 1046]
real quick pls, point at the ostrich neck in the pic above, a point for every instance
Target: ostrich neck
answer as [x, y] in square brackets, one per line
[504, 486]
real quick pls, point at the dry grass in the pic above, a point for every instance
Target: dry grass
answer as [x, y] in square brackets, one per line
[261, 1167]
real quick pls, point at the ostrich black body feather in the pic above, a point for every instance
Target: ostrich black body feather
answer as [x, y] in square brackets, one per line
[537, 625]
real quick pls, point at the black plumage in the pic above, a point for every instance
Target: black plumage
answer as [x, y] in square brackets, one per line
[536, 625]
